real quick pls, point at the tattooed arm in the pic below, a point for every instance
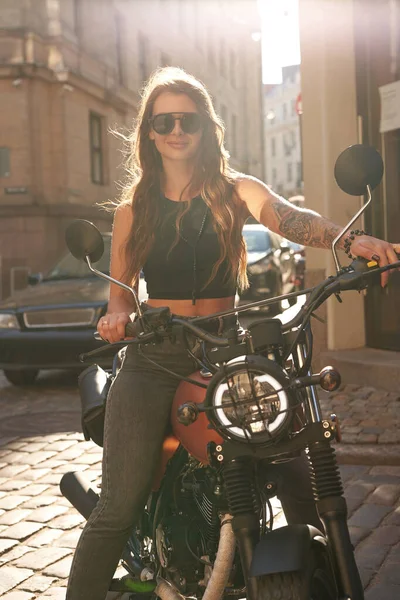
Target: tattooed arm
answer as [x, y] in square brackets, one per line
[299, 225]
[305, 226]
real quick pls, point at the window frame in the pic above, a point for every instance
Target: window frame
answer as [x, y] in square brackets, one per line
[289, 172]
[96, 151]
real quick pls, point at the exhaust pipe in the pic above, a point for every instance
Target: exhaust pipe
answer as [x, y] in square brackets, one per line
[221, 570]
[75, 488]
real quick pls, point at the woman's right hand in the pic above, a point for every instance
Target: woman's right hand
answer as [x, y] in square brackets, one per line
[111, 327]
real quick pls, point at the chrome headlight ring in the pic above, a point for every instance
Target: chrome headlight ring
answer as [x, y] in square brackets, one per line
[250, 400]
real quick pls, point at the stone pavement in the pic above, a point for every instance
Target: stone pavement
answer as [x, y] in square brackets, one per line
[370, 424]
[40, 440]
[367, 415]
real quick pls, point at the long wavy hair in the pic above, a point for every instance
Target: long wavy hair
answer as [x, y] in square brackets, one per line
[212, 176]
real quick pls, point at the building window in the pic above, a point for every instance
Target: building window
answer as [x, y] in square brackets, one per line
[273, 147]
[273, 177]
[4, 162]
[96, 148]
[142, 57]
[222, 58]
[289, 172]
[293, 104]
[284, 108]
[299, 174]
[287, 148]
[234, 135]
[232, 67]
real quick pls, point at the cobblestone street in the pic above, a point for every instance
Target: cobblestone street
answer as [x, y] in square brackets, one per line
[40, 440]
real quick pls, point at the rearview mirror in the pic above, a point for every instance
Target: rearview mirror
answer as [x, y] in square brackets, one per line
[84, 239]
[357, 167]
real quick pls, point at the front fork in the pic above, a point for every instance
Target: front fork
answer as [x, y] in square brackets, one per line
[332, 509]
[328, 495]
[243, 504]
[330, 502]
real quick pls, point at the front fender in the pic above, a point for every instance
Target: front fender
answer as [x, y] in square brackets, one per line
[284, 549]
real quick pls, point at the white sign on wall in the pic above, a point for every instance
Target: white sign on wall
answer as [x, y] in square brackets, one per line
[390, 106]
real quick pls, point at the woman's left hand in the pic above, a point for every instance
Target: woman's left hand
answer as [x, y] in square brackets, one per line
[374, 249]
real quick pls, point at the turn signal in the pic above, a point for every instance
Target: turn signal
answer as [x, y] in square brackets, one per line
[329, 379]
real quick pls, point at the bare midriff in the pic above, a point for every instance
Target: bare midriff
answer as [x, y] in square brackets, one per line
[202, 308]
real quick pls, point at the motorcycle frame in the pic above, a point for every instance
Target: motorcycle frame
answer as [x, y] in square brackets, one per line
[333, 509]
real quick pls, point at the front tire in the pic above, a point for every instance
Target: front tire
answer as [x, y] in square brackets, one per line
[315, 582]
[21, 377]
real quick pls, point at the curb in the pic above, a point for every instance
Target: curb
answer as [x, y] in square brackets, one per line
[368, 454]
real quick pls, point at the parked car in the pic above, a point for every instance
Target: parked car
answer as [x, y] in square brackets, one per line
[48, 324]
[300, 261]
[271, 265]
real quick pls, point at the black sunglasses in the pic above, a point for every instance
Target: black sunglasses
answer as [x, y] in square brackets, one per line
[164, 123]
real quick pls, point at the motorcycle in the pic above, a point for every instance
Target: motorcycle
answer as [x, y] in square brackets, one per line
[207, 528]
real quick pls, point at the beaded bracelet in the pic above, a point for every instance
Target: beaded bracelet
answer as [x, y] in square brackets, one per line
[350, 238]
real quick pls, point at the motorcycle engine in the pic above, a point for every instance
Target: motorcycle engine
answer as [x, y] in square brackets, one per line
[191, 529]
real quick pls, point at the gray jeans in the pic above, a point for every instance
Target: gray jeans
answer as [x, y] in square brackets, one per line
[137, 416]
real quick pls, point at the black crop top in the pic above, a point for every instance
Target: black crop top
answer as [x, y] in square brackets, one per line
[181, 274]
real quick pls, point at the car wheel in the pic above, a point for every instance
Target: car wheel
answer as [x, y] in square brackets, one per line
[21, 377]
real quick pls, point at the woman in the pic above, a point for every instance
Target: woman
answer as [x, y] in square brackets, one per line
[180, 219]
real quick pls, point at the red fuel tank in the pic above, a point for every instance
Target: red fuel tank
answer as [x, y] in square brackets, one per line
[195, 437]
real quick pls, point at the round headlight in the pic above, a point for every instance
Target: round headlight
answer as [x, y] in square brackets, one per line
[250, 401]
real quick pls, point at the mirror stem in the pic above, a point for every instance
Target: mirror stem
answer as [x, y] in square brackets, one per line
[341, 234]
[112, 280]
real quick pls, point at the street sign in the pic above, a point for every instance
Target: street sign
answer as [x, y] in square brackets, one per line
[390, 106]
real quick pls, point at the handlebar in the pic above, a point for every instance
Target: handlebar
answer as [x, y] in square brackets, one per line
[133, 329]
[353, 277]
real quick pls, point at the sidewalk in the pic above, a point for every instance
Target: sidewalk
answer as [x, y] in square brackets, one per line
[370, 424]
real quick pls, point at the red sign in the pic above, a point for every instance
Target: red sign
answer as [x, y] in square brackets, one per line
[299, 105]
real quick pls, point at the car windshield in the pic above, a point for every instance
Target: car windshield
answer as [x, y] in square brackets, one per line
[257, 240]
[295, 247]
[72, 268]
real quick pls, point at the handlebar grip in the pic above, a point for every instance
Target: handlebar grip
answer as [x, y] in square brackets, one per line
[131, 329]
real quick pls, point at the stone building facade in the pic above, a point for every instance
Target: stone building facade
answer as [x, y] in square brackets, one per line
[349, 50]
[71, 71]
[283, 167]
